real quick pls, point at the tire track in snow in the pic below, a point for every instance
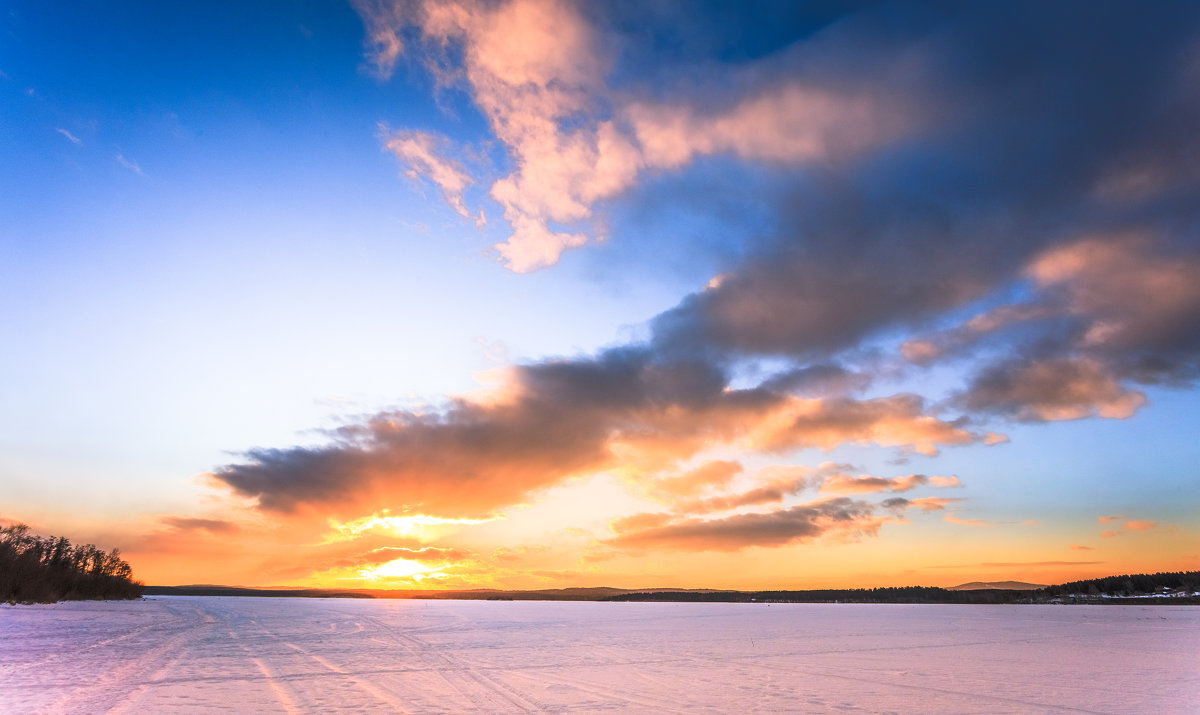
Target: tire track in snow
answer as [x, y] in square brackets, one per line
[127, 679]
[278, 688]
[471, 682]
[15, 668]
[363, 685]
[276, 683]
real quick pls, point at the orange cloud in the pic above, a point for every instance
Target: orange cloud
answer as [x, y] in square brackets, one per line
[423, 153]
[713, 474]
[623, 410]
[967, 522]
[846, 484]
[1127, 527]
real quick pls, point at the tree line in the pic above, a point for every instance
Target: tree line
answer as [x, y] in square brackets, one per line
[1129, 584]
[46, 569]
[890, 594]
[1115, 589]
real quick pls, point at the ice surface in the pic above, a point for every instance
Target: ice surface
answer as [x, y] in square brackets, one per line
[186, 654]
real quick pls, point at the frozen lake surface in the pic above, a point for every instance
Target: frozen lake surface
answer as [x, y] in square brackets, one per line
[185, 654]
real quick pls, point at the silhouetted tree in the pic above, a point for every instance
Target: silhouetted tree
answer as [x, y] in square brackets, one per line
[36, 569]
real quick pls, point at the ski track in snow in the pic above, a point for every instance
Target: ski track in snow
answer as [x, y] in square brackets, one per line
[194, 654]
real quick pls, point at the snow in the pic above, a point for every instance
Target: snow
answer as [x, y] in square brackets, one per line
[189, 654]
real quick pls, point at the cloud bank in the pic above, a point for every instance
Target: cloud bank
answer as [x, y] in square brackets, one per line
[1001, 190]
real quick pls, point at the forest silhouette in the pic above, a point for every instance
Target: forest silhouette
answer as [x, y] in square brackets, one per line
[46, 569]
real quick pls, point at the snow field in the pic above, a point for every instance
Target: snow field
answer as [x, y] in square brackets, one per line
[193, 654]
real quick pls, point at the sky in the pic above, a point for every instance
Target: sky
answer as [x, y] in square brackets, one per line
[542, 294]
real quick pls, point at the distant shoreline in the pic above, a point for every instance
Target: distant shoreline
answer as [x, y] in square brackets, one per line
[1181, 588]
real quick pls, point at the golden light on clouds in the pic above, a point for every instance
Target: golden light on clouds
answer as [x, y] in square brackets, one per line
[421, 527]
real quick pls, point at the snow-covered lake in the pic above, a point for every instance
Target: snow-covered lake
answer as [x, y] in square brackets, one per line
[185, 654]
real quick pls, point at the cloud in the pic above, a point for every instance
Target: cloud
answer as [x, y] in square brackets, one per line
[846, 484]
[386, 554]
[993, 184]
[129, 164]
[931, 348]
[1136, 301]
[713, 474]
[1106, 311]
[1051, 390]
[967, 522]
[774, 490]
[1080, 547]
[899, 504]
[980, 522]
[1128, 526]
[538, 71]
[213, 526]
[421, 152]
[70, 137]
[799, 523]
[624, 409]
[946, 482]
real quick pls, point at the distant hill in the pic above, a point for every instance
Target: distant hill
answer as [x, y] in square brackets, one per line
[1001, 585]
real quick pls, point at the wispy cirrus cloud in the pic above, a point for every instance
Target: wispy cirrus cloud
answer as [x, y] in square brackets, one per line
[129, 164]
[69, 136]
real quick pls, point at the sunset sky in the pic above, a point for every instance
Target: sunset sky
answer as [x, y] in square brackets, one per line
[535, 294]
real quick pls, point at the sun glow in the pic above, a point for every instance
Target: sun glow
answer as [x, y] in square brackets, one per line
[417, 526]
[399, 568]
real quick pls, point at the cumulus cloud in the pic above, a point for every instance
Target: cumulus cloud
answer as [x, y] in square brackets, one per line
[1050, 390]
[538, 71]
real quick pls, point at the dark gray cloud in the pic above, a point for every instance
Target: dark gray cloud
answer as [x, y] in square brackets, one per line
[1043, 127]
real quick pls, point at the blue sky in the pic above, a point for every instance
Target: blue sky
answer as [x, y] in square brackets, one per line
[525, 268]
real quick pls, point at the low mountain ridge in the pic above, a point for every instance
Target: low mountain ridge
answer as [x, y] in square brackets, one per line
[997, 585]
